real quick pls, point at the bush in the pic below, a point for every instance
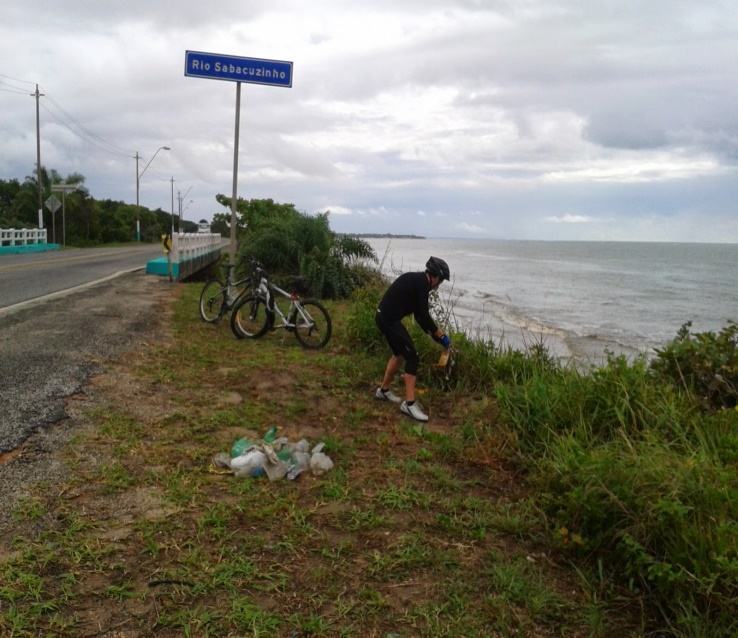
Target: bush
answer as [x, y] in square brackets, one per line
[662, 523]
[361, 330]
[704, 363]
[288, 242]
[636, 470]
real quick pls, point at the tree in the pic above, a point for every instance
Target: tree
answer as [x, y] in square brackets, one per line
[287, 241]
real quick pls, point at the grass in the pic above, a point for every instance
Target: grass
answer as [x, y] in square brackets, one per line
[413, 533]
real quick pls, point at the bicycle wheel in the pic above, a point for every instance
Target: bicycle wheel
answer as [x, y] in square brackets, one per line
[212, 301]
[312, 324]
[249, 317]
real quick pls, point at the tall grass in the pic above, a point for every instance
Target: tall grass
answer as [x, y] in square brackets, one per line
[634, 465]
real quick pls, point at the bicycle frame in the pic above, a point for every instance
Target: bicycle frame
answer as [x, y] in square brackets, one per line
[257, 313]
[230, 284]
[265, 291]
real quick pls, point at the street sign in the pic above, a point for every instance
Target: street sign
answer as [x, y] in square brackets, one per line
[215, 66]
[52, 203]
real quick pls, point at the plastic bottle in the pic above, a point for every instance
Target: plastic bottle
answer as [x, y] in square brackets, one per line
[240, 446]
[250, 464]
[270, 435]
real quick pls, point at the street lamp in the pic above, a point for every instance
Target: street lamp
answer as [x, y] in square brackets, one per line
[138, 178]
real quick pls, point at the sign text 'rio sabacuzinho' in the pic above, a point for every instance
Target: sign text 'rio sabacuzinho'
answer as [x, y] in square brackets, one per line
[215, 66]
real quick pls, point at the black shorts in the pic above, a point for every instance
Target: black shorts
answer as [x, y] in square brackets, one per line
[399, 341]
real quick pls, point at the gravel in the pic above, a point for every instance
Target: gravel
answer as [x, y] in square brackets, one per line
[48, 352]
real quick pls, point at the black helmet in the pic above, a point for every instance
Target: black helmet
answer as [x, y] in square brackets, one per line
[438, 268]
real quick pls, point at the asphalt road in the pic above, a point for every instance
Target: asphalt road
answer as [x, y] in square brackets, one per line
[49, 349]
[24, 277]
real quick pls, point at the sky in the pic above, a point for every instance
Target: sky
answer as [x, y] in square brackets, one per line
[506, 119]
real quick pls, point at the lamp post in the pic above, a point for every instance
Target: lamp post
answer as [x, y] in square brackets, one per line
[138, 179]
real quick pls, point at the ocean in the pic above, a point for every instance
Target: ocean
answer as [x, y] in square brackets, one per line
[580, 299]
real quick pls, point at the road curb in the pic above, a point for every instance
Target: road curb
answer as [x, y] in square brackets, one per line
[9, 310]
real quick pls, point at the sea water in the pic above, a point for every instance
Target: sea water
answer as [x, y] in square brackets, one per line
[580, 299]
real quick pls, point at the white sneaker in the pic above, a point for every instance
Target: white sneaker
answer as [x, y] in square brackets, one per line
[414, 411]
[387, 396]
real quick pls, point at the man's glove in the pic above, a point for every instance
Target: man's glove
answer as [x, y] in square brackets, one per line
[445, 341]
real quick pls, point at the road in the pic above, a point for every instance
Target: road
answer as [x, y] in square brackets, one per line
[24, 277]
[49, 349]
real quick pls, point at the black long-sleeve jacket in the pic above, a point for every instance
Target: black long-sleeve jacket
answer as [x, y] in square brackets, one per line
[408, 294]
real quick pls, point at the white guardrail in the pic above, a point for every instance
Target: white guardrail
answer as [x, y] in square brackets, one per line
[22, 236]
[190, 246]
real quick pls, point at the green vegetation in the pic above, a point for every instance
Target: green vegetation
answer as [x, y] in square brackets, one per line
[88, 221]
[289, 242]
[633, 465]
[541, 500]
[412, 533]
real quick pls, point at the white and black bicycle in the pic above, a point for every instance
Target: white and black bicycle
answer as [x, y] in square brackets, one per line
[258, 312]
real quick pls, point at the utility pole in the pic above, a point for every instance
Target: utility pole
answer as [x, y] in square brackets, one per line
[180, 199]
[37, 95]
[138, 182]
[138, 212]
[169, 254]
[172, 180]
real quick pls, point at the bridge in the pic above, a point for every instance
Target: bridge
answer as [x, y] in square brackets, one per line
[189, 253]
[24, 240]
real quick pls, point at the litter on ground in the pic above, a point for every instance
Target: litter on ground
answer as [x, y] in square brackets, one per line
[274, 457]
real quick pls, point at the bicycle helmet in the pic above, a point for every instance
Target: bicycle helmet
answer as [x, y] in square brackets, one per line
[438, 268]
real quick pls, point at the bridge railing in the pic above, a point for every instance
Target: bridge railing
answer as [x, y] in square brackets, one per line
[191, 246]
[22, 236]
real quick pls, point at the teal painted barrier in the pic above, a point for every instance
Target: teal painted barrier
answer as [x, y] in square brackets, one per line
[160, 266]
[28, 248]
[191, 252]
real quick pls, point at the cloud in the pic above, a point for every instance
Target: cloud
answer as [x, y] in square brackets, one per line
[338, 210]
[556, 109]
[570, 219]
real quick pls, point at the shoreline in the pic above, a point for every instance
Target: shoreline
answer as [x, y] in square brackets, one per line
[582, 301]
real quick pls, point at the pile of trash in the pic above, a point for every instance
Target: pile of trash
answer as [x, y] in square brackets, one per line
[274, 457]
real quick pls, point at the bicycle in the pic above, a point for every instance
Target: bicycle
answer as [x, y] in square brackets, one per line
[255, 313]
[217, 298]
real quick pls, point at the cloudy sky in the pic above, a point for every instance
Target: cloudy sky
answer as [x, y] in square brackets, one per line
[526, 119]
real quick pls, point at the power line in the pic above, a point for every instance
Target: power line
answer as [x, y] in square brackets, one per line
[85, 130]
[13, 91]
[82, 135]
[7, 77]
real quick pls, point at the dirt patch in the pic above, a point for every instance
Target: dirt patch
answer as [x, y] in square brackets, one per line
[91, 328]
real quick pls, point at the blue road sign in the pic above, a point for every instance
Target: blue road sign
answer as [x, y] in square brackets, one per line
[215, 66]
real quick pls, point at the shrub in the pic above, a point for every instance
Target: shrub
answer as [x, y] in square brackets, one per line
[288, 242]
[704, 363]
[662, 523]
[361, 330]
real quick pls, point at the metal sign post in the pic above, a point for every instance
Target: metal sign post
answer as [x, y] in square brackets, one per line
[234, 218]
[64, 188]
[214, 66]
[53, 204]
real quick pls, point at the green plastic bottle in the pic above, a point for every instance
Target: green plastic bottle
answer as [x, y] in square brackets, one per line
[270, 435]
[240, 446]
